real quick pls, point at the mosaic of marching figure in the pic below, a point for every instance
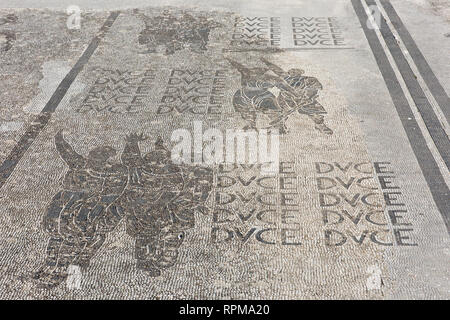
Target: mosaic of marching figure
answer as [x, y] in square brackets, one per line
[156, 198]
[171, 32]
[277, 95]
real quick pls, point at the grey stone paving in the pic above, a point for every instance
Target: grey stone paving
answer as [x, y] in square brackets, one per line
[94, 206]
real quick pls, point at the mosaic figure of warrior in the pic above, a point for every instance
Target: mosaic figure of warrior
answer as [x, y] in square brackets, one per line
[277, 96]
[156, 198]
[7, 37]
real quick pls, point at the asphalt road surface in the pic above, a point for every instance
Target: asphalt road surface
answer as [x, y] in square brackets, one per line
[120, 177]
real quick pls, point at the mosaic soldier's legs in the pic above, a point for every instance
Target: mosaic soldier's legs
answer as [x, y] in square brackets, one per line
[145, 252]
[50, 274]
[281, 126]
[92, 245]
[71, 243]
[145, 236]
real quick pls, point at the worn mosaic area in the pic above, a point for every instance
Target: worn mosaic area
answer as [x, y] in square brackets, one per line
[277, 96]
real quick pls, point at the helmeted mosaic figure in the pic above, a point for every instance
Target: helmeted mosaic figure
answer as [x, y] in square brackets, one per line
[172, 32]
[156, 197]
[6, 40]
[9, 18]
[277, 96]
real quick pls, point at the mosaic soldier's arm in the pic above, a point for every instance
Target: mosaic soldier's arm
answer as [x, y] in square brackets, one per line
[65, 150]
